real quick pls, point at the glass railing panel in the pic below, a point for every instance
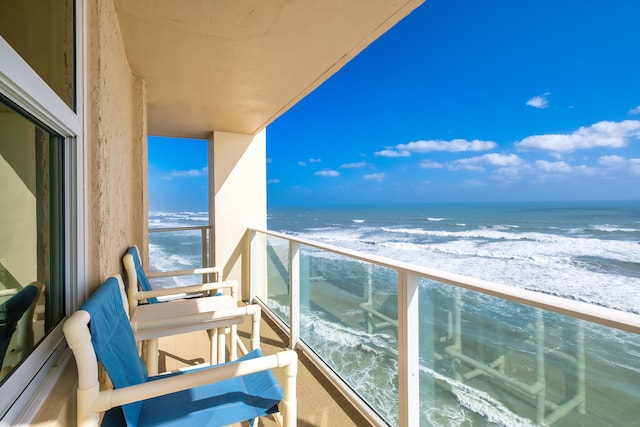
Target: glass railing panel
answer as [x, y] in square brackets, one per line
[278, 287]
[488, 360]
[176, 250]
[348, 317]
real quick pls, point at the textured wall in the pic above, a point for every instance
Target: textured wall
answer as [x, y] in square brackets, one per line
[117, 171]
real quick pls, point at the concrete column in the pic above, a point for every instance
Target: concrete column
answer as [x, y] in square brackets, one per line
[237, 199]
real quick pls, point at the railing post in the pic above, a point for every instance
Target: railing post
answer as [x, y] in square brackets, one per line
[408, 350]
[205, 258]
[294, 293]
[253, 267]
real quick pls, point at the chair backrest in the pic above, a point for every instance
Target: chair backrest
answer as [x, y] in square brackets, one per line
[113, 340]
[137, 274]
[11, 311]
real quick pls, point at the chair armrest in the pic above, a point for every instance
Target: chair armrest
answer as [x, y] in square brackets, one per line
[143, 329]
[195, 271]
[287, 359]
[233, 284]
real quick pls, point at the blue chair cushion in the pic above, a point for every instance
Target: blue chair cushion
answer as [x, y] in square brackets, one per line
[10, 313]
[216, 404]
[142, 276]
[113, 342]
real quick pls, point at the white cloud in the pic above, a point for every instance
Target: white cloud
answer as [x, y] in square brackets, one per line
[480, 162]
[453, 146]
[635, 110]
[327, 172]
[190, 173]
[539, 101]
[508, 174]
[430, 164]
[315, 160]
[426, 146]
[553, 167]
[374, 177]
[602, 134]
[390, 152]
[273, 181]
[353, 165]
[611, 161]
[620, 163]
[302, 163]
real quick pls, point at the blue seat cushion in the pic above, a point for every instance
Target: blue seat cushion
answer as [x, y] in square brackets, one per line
[216, 404]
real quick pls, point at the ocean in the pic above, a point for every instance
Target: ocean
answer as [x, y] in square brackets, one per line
[544, 368]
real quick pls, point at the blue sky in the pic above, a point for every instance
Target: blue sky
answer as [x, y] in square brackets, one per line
[473, 101]
[466, 101]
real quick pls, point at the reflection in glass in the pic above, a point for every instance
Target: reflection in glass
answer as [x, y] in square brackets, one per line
[348, 316]
[31, 235]
[42, 32]
[484, 358]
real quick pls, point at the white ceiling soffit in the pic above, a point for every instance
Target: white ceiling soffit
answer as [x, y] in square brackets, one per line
[236, 65]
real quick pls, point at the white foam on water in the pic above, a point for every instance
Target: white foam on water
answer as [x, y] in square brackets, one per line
[368, 362]
[555, 264]
[613, 228]
[162, 261]
[476, 401]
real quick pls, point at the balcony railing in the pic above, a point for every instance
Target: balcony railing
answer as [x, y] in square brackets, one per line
[417, 346]
[187, 248]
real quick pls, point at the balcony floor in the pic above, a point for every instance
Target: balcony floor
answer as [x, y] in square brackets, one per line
[319, 402]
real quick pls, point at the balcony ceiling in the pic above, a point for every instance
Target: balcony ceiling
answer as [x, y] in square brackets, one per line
[236, 65]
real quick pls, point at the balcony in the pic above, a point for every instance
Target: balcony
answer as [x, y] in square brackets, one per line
[443, 345]
[407, 345]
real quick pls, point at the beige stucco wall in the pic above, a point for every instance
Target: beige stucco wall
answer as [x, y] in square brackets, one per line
[239, 198]
[116, 146]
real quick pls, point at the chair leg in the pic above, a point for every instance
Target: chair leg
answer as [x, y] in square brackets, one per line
[151, 356]
[222, 346]
[213, 337]
[233, 342]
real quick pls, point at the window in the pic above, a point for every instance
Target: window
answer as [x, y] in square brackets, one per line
[42, 153]
[31, 233]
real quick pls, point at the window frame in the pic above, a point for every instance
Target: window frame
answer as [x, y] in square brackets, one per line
[31, 382]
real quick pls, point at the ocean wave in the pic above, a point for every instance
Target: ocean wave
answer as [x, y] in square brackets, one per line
[494, 233]
[160, 260]
[185, 217]
[613, 229]
[476, 401]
